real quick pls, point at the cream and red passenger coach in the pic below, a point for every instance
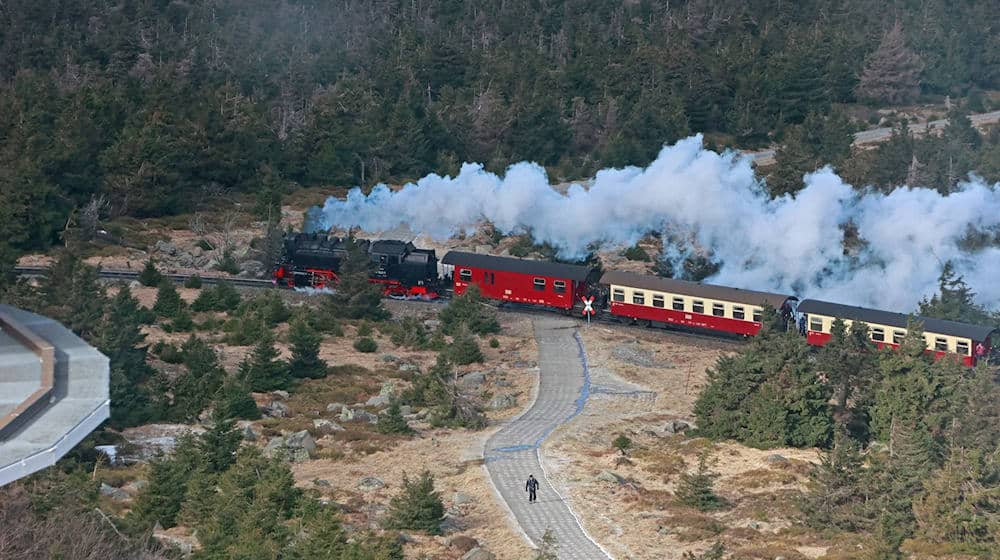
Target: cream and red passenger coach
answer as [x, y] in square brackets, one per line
[690, 304]
[969, 342]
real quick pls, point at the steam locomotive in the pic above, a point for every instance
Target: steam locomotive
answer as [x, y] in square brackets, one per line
[311, 260]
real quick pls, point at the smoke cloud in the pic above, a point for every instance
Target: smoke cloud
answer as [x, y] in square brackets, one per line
[792, 245]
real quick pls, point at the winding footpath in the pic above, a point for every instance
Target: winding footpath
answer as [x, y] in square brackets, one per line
[513, 452]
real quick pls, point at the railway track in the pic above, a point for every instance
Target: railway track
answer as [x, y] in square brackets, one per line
[601, 318]
[129, 275]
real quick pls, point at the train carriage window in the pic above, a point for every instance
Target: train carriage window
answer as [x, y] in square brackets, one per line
[898, 336]
[638, 298]
[941, 344]
[962, 347]
[618, 294]
[718, 310]
[465, 274]
[658, 301]
[758, 315]
[559, 287]
[878, 335]
[815, 323]
[678, 304]
[738, 312]
[540, 284]
[698, 306]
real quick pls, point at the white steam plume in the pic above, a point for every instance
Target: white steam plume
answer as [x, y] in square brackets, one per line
[787, 244]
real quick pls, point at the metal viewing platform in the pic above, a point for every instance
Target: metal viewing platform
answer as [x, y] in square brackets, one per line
[53, 392]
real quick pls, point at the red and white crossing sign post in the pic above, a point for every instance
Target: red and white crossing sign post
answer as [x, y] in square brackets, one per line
[588, 306]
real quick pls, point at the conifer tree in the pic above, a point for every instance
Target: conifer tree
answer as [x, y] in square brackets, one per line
[955, 301]
[150, 276]
[697, 489]
[233, 400]
[464, 349]
[355, 297]
[835, 492]
[194, 389]
[305, 341]
[122, 342]
[892, 72]
[168, 301]
[262, 370]
[848, 363]
[392, 422]
[417, 507]
[961, 501]
[470, 311]
[217, 446]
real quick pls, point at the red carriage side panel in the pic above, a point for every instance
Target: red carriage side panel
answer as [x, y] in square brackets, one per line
[685, 318]
[519, 280]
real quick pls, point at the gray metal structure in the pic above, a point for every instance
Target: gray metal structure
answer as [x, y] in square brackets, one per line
[54, 390]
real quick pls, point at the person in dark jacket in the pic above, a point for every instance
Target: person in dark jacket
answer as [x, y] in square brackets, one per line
[531, 487]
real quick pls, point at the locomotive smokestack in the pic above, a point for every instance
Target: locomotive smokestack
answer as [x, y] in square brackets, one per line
[783, 244]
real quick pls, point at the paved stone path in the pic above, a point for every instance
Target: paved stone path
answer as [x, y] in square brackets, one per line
[512, 453]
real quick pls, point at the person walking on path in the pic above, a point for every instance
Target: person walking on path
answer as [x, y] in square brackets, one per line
[531, 486]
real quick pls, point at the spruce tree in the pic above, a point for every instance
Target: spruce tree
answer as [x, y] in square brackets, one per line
[217, 446]
[464, 350]
[262, 370]
[697, 489]
[233, 400]
[470, 311]
[168, 301]
[122, 342]
[417, 507]
[892, 72]
[955, 301]
[392, 422]
[960, 502]
[848, 363]
[194, 389]
[835, 493]
[150, 276]
[305, 341]
[355, 297]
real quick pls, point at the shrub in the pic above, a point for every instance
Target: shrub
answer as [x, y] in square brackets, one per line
[193, 282]
[636, 253]
[366, 345]
[168, 352]
[418, 507]
[622, 443]
[150, 276]
[205, 245]
[182, 322]
[494, 343]
[305, 343]
[364, 329]
[234, 401]
[222, 297]
[408, 332]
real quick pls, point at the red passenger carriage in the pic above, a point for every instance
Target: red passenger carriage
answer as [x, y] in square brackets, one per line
[520, 280]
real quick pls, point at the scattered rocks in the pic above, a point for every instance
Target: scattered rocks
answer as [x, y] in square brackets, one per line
[776, 458]
[277, 409]
[432, 324]
[135, 487]
[280, 394]
[388, 389]
[478, 553]
[409, 367]
[325, 426]
[370, 484]
[461, 499]
[322, 483]
[676, 427]
[503, 383]
[461, 543]
[113, 493]
[632, 354]
[378, 401]
[251, 269]
[354, 415]
[610, 476]
[405, 409]
[474, 379]
[298, 446]
[503, 401]
[152, 440]
[165, 247]
[335, 407]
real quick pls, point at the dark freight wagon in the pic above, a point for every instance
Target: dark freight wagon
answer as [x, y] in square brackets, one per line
[520, 280]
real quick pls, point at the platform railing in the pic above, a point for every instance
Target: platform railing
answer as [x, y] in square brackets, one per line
[15, 419]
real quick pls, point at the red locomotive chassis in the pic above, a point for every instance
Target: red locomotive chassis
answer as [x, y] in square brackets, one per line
[519, 280]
